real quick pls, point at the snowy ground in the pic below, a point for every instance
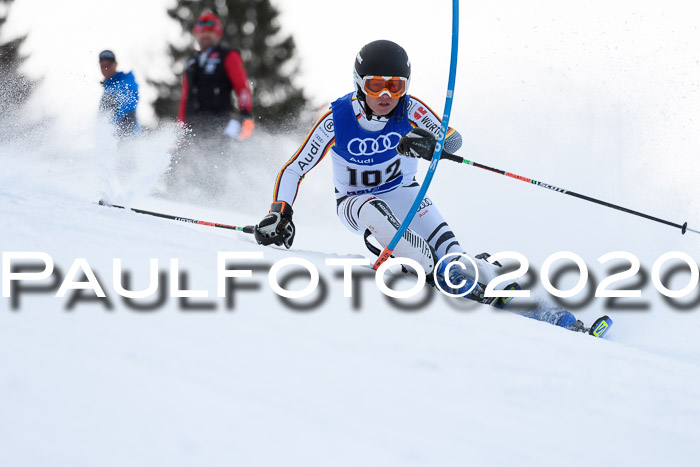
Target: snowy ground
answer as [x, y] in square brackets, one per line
[259, 383]
[348, 382]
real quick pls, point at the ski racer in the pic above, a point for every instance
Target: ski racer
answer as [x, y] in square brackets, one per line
[375, 136]
[375, 186]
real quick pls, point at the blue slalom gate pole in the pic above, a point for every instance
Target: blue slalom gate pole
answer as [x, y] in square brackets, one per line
[438, 147]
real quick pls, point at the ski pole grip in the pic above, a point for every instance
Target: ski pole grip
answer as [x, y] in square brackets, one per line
[451, 157]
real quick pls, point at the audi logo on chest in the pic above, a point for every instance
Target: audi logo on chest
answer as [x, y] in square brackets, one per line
[371, 146]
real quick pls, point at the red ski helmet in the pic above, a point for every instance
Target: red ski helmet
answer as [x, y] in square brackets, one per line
[209, 22]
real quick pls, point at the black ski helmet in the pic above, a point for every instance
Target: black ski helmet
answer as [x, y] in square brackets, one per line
[380, 58]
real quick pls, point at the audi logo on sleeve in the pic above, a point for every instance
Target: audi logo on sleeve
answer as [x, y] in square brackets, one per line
[371, 146]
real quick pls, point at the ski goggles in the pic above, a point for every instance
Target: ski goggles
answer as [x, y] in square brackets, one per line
[210, 24]
[206, 23]
[376, 86]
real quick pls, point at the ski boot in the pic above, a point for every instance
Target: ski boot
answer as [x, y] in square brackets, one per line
[502, 302]
[459, 276]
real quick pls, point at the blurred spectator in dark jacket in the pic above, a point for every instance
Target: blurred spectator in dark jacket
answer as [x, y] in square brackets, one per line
[211, 75]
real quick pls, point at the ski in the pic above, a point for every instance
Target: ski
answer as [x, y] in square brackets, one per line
[600, 326]
[563, 318]
[547, 313]
[558, 316]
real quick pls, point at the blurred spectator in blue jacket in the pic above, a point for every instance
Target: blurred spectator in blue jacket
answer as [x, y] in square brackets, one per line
[121, 96]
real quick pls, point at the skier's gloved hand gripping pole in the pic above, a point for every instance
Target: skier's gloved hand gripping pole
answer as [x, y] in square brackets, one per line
[438, 147]
[277, 226]
[418, 143]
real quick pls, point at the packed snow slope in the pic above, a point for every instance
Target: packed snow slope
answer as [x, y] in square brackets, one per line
[348, 381]
[327, 380]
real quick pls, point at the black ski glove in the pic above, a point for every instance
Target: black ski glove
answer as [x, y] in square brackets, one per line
[277, 227]
[418, 142]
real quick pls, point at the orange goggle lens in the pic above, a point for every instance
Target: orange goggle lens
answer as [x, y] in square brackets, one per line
[375, 86]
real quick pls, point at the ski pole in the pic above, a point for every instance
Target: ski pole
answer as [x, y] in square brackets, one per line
[454, 157]
[247, 229]
[386, 254]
